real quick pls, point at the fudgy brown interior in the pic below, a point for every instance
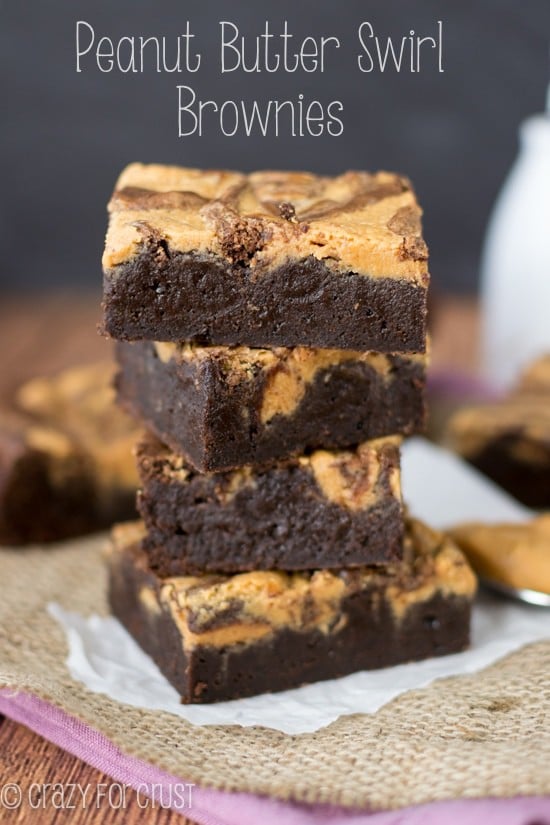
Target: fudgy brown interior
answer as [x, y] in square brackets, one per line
[325, 509]
[164, 296]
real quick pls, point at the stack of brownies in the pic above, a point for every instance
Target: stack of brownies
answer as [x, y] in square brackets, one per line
[272, 331]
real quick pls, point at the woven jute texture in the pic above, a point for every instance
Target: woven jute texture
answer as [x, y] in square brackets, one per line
[486, 734]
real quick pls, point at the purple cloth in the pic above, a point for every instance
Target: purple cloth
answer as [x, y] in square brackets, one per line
[467, 388]
[210, 807]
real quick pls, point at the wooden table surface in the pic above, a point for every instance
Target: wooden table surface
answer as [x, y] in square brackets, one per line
[39, 336]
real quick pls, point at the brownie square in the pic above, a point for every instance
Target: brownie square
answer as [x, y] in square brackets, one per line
[326, 509]
[46, 487]
[221, 637]
[66, 458]
[509, 440]
[224, 407]
[266, 259]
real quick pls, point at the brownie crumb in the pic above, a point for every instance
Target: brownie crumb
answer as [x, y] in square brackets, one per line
[239, 237]
[154, 241]
[199, 623]
[287, 211]
[406, 221]
[414, 249]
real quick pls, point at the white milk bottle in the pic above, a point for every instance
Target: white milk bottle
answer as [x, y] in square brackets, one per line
[516, 261]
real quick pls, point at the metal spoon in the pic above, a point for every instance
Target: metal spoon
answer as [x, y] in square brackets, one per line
[520, 594]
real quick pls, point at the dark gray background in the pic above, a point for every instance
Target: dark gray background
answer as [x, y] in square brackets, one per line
[66, 135]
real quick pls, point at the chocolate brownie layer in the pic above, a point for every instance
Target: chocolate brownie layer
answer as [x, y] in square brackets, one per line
[327, 509]
[66, 462]
[225, 407]
[191, 297]
[268, 259]
[218, 637]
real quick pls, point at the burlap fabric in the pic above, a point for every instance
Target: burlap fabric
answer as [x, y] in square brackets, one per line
[487, 734]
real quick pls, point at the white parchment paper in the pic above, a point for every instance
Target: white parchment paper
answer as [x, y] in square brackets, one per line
[439, 488]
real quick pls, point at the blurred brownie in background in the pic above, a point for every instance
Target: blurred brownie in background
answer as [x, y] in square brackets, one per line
[509, 440]
[66, 461]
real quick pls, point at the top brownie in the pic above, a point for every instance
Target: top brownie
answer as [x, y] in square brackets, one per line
[266, 259]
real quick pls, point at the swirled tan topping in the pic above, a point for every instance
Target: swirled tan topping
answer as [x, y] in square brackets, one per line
[355, 479]
[287, 385]
[357, 221]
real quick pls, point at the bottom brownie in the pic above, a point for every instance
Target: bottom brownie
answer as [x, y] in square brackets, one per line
[225, 637]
